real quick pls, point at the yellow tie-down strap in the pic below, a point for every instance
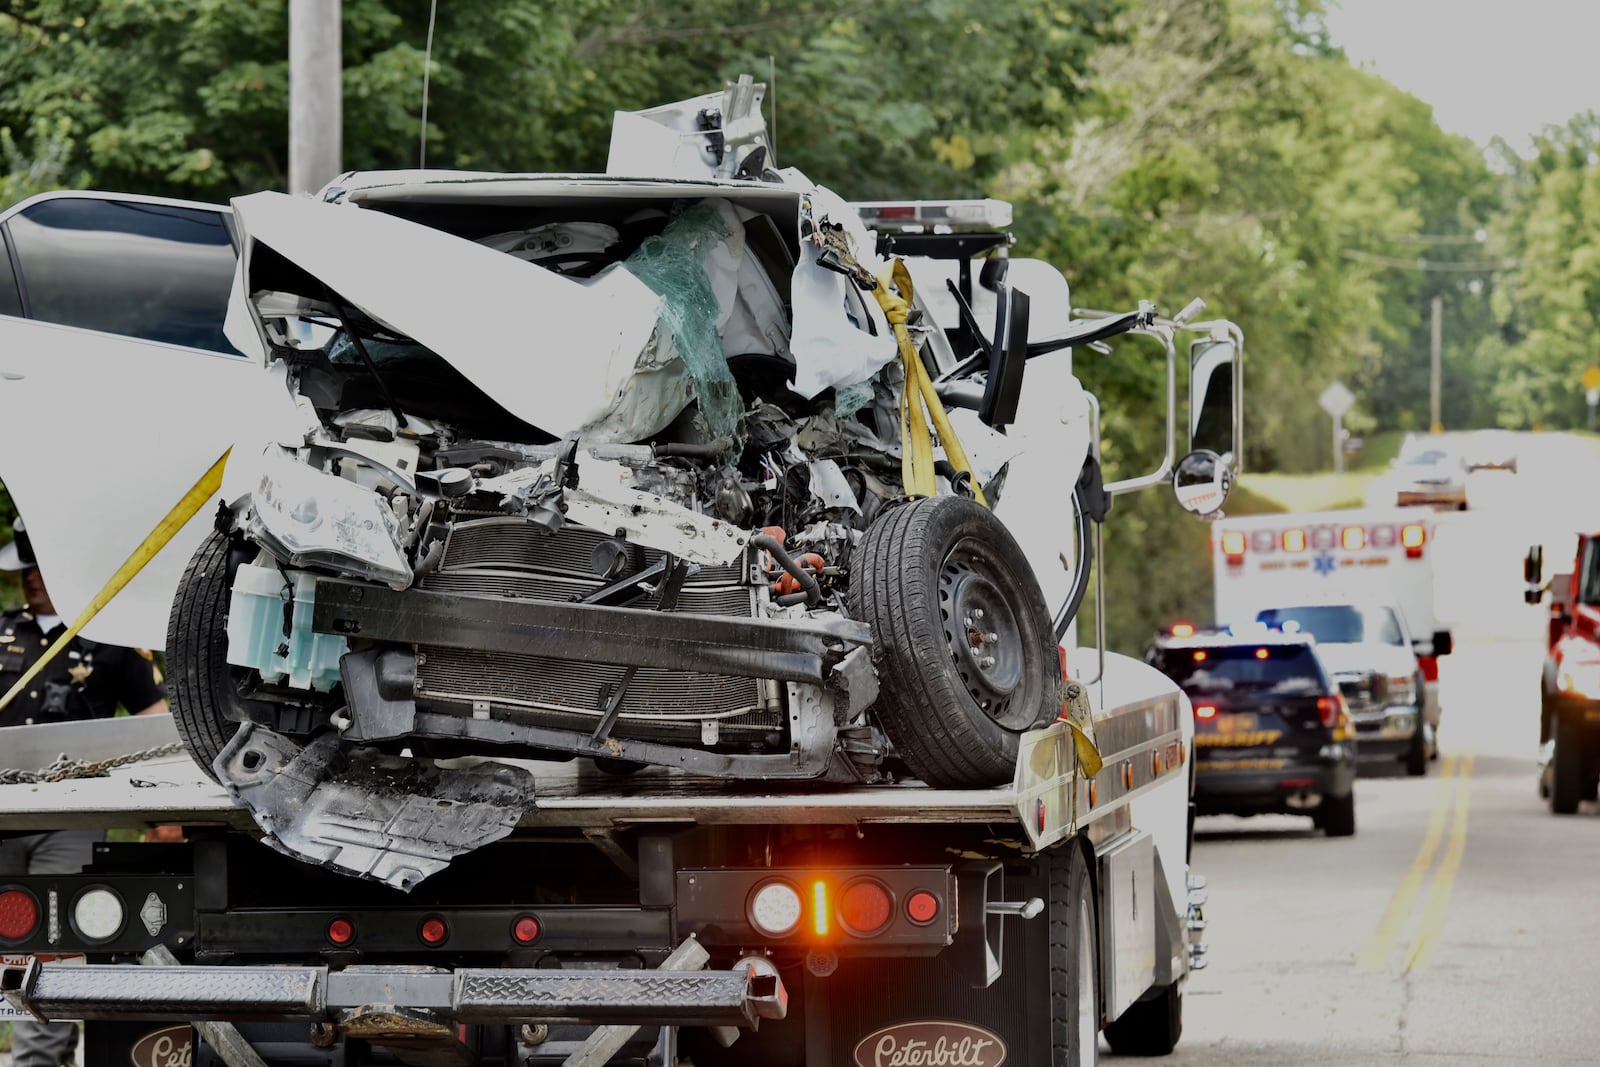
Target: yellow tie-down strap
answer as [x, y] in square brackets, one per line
[210, 482]
[916, 444]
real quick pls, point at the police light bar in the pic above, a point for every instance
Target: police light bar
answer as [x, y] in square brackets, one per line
[937, 216]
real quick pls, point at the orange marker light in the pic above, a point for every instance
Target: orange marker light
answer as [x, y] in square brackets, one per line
[819, 908]
[1354, 538]
[1413, 537]
[1200, 656]
[1205, 711]
[1294, 540]
[1182, 629]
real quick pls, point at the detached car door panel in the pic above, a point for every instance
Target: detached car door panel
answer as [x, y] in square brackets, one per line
[117, 390]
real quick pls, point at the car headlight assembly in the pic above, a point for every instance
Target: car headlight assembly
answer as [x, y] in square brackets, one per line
[307, 517]
[1402, 689]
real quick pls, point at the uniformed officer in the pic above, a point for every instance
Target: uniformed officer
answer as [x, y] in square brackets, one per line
[86, 681]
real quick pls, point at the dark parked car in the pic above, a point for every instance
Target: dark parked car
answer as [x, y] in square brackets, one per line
[1271, 731]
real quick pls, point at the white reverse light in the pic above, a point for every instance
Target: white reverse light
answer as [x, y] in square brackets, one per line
[775, 909]
[98, 914]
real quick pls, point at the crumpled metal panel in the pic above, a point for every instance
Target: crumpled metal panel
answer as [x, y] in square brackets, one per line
[389, 819]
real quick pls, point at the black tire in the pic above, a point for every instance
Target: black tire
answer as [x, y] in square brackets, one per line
[926, 577]
[1074, 945]
[1566, 768]
[1337, 816]
[197, 652]
[1417, 754]
[1149, 1027]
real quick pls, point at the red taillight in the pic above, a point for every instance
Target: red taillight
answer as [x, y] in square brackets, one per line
[1296, 783]
[433, 931]
[1328, 709]
[1262, 653]
[341, 931]
[526, 930]
[1413, 536]
[19, 915]
[865, 907]
[1205, 711]
[1233, 544]
[1430, 668]
[1294, 540]
[1200, 655]
[1354, 538]
[922, 907]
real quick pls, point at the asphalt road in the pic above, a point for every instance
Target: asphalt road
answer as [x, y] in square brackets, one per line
[1462, 923]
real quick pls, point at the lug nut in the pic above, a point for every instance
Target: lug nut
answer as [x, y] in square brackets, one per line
[986, 662]
[990, 638]
[977, 613]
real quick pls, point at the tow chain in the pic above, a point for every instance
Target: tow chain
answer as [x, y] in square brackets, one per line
[65, 767]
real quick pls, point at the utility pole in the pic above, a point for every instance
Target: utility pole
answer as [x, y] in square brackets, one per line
[316, 96]
[1433, 375]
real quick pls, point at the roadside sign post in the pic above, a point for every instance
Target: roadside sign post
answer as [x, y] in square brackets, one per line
[1591, 386]
[1336, 400]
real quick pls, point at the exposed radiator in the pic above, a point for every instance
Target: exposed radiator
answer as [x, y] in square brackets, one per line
[509, 557]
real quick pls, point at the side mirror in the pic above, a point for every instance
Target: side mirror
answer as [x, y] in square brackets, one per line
[1215, 412]
[1443, 643]
[1202, 482]
[1533, 565]
[1008, 357]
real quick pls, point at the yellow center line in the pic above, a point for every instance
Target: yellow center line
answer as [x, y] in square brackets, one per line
[1405, 895]
[1433, 914]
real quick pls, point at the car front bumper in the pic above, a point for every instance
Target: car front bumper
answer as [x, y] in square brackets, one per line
[1387, 733]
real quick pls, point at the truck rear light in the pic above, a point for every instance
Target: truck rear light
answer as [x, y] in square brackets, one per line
[341, 931]
[98, 914]
[1354, 538]
[774, 909]
[1430, 668]
[922, 907]
[1205, 711]
[1413, 536]
[526, 930]
[433, 931]
[819, 908]
[865, 907]
[1328, 711]
[19, 914]
[1233, 545]
[1294, 540]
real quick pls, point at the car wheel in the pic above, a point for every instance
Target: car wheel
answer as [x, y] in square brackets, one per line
[1566, 768]
[1149, 1027]
[1339, 815]
[1074, 952]
[962, 642]
[197, 651]
[1417, 753]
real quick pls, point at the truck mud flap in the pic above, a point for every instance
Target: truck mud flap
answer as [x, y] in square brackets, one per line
[497, 995]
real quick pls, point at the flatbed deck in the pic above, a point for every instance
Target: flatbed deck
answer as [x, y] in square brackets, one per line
[573, 795]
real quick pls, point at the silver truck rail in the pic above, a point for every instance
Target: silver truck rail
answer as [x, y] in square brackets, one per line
[478, 995]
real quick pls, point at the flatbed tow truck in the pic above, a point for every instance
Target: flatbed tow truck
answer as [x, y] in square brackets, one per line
[632, 920]
[783, 918]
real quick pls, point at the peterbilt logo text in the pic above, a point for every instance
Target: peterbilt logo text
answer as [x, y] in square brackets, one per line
[171, 1046]
[931, 1043]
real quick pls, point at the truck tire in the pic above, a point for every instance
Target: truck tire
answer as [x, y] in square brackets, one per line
[1337, 816]
[1074, 960]
[1566, 768]
[1149, 1027]
[1417, 754]
[197, 652]
[962, 642]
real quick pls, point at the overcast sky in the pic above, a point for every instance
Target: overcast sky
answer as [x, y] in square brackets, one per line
[1488, 67]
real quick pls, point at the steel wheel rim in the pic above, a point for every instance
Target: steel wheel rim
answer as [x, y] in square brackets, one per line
[984, 635]
[1088, 1024]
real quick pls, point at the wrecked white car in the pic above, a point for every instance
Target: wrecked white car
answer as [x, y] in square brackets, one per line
[653, 470]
